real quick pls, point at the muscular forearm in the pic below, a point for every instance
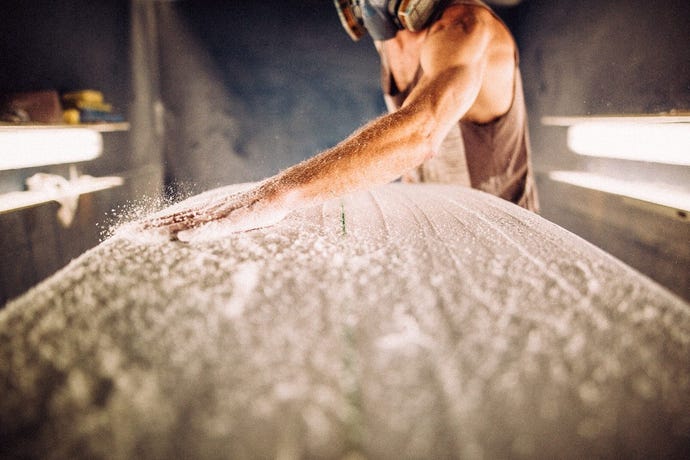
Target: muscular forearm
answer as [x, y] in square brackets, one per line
[376, 154]
[383, 149]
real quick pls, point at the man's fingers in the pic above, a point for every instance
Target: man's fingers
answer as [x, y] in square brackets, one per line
[189, 220]
[184, 219]
[161, 222]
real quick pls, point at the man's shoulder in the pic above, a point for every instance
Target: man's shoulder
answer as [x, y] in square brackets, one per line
[468, 11]
[474, 17]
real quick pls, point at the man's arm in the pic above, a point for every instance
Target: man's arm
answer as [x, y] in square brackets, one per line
[454, 59]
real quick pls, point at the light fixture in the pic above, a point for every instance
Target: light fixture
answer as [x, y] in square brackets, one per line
[651, 192]
[26, 148]
[652, 142]
[663, 138]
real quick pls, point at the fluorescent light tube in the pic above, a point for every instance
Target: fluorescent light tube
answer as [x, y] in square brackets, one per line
[667, 143]
[26, 148]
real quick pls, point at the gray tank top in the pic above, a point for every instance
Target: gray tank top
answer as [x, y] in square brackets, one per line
[493, 157]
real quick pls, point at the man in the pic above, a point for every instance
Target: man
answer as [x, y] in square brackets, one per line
[452, 82]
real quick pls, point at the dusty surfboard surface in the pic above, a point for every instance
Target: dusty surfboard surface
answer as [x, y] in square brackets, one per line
[405, 322]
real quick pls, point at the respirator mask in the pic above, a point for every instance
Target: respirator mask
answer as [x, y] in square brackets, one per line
[383, 18]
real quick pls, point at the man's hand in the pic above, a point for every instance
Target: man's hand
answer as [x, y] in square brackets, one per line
[222, 212]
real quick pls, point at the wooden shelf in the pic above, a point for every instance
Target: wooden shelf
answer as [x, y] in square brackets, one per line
[100, 127]
[674, 117]
[14, 201]
[649, 192]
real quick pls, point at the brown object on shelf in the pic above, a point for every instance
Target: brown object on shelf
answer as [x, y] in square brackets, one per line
[38, 106]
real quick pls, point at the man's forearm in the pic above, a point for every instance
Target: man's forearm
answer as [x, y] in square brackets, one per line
[378, 153]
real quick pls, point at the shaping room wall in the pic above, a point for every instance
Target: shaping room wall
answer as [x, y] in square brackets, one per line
[250, 88]
[595, 57]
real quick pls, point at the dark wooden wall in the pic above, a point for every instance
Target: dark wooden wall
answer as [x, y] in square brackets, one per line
[35, 244]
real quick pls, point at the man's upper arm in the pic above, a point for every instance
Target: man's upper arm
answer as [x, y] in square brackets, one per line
[454, 59]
